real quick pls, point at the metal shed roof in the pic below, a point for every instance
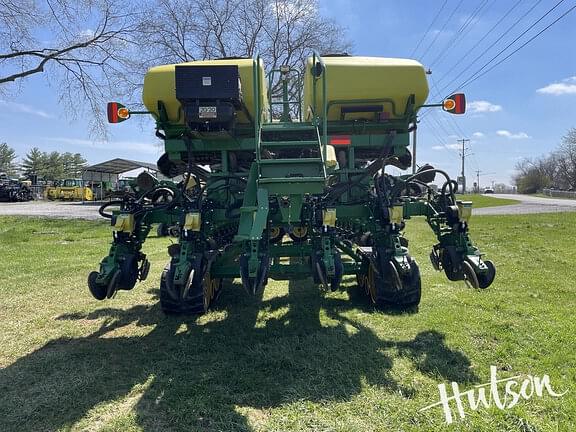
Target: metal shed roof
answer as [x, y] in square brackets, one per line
[119, 166]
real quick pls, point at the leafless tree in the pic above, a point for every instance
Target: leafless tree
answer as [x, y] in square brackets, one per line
[557, 169]
[566, 161]
[283, 32]
[95, 50]
[80, 45]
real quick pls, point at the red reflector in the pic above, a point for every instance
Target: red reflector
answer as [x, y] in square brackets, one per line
[340, 140]
[112, 112]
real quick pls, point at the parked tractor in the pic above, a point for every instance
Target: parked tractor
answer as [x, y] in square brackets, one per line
[13, 190]
[268, 178]
[70, 190]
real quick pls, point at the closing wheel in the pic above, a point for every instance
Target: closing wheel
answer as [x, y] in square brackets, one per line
[210, 289]
[187, 298]
[453, 272]
[254, 285]
[383, 289]
[320, 276]
[299, 234]
[486, 279]
[395, 280]
[361, 281]
[144, 270]
[470, 277]
[275, 234]
[98, 291]
[113, 284]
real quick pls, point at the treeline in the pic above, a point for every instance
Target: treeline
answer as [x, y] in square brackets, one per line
[556, 170]
[46, 165]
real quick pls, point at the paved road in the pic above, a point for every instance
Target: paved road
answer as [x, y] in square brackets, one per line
[66, 210]
[77, 210]
[528, 204]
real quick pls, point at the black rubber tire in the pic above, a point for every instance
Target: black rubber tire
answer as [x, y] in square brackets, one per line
[408, 296]
[338, 273]
[162, 230]
[485, 280]
[171, 301]
[97, 291]
[144, 270]
[129, 272]
[452, 273]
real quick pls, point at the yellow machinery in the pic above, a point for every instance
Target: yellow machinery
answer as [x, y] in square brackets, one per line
[70, 190]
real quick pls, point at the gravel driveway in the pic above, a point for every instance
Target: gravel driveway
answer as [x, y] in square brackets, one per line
[77, 210]
[56, 209]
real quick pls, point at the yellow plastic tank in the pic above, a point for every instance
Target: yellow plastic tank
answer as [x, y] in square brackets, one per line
[365, 78]
[159, 84]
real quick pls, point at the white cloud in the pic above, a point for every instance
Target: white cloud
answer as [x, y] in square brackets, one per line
[510, 135]
[482, 106]
[109, 145]
[478, 135]
[567, 86]
[446, 147]
[26, 109]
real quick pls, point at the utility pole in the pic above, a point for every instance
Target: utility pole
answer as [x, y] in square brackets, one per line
[478, 172]
[463, 155]
[478, 180]
[414, 150]
[414, 133]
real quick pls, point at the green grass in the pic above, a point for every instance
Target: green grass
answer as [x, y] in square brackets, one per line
[297, 360]
[479, 200]
[541, 195]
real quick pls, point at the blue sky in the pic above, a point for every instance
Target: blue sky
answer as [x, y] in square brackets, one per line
[520, 109]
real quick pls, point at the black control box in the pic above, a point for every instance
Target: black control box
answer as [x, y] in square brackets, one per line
[208, 83]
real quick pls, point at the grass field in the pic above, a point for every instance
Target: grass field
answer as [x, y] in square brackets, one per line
[479, 200]
[297, 360]
[541, 195]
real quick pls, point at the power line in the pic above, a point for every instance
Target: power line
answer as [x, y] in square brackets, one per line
[442, 141]
[473, 76]
[489, 32]
[428, 29]
[442, 29]
[492, 44]
[521, 46]
[461, 32]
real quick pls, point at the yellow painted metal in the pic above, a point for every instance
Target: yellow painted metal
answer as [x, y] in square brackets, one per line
[124, 223]
[396, 214]
[191, 183]
[160, 85]
[464, 210]
[329, 217]
[331, 161]
[73, 193]
[365, 78]
[192, 222]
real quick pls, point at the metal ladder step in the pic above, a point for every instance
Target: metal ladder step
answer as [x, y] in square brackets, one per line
[273, 127]
[289, 144]
[307, 161]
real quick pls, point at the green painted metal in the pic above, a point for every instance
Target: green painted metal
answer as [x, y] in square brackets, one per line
[264, 198]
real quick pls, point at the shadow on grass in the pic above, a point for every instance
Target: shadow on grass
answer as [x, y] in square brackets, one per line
[209, 373]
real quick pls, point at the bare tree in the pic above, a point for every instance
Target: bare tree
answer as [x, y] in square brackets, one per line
[566, 161]
[80, 45]
[283, 32]
[96, 50]
[557, 169]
